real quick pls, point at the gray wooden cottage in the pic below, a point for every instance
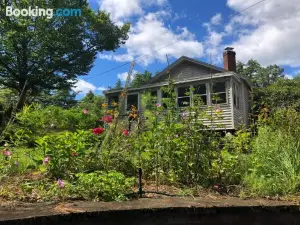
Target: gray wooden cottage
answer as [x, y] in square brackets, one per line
[233, 90]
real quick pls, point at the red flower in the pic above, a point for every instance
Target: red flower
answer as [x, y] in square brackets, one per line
[107, 119]
[86, 111]
[125, 132]
[98, 130]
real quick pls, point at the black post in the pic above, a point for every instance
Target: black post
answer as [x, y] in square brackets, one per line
[140, 183]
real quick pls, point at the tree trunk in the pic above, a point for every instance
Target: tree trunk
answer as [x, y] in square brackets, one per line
[22, 99]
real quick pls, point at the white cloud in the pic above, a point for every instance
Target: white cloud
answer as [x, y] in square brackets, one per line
[123, 76]
[216, 19]
[101, 88]
[83, 87]
[273, 35]
[150, 33]
[123, 9]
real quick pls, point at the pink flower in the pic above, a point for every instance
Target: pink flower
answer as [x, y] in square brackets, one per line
[125, 132]
[98, 130]
[185, 115]
[85, 111]
[158, 105]
[60, 183]
[46, 160]
[218, 109]
[7, 153]
[107, 119]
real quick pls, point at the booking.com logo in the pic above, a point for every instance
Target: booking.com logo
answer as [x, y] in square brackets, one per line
[36, 11]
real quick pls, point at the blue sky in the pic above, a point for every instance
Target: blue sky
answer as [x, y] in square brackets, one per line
[268, 32]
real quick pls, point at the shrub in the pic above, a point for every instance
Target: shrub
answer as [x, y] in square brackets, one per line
[275, 165]
[107, 186]
[67, 152]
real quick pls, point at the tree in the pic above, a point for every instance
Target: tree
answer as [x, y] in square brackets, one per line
[260, 76]
[63, 98]
[118, 84]
[283, 93]
[141, 79]
[39, 54]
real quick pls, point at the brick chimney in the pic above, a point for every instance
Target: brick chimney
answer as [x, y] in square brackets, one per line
[229, 59]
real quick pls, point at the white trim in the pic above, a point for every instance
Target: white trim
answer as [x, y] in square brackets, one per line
[231, 105]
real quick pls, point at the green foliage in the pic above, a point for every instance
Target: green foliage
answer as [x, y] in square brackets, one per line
[118, 84]
[67, 152]
[282, 93]
[260, 76]
[140, 79]
[99, 185]
[275, 165]
[52, 53]
[230, 163]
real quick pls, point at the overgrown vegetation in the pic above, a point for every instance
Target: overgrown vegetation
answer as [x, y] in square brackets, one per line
[172, 147]
[54, 147]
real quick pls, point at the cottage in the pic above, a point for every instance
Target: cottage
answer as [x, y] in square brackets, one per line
[232, 89]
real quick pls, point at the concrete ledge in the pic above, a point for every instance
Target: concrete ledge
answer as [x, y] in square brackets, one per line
[173, 211]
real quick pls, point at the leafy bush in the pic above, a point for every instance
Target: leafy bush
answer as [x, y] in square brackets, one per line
[101, 185]
[275, 165]
[67, 152]
[230, 163]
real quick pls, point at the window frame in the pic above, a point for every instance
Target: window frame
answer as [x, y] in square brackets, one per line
[138, 100]
[112, 96]
[206, 93]
[224, 92]
[186, 96]
[236, 98]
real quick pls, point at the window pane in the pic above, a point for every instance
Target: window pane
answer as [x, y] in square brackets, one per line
[184, 102]
[112, 99]
[219, 98]
[165, 95]
[204, 99]
[200, 89]
[234, 100]
[154, 93]
[219, 87]
[182, 91]
[132, 100]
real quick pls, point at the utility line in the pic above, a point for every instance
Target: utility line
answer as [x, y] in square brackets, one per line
[140, 57]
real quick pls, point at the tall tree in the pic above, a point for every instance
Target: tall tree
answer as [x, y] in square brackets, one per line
[260, 76]
[38, 53]
[118, 84]
[63, 98]
[141, 79]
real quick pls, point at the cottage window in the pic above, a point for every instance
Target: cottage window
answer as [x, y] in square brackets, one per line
[166, 96]
[132, 100]
[200, 90]
[219, 95]
[183, 96]
[113, 99]
[236, 98]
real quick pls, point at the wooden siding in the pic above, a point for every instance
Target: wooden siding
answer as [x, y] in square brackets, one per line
[188, 74]
[186, 70]
[241, 115]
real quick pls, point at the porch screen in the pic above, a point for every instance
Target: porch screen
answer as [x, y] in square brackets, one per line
[219, 93]
[132, 100]
[200, 90]
[183, 96]
[112, 99]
